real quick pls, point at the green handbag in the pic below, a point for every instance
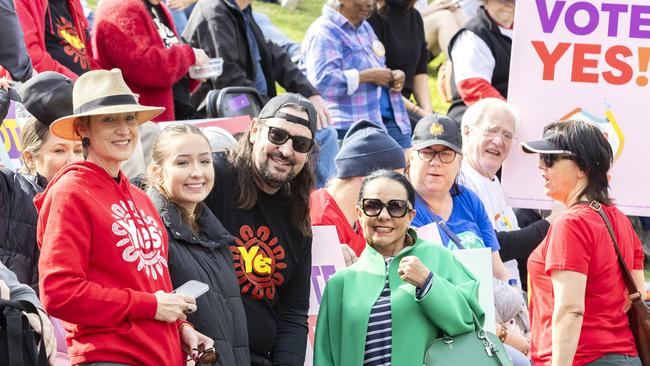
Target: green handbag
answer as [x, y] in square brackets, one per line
[476, 348]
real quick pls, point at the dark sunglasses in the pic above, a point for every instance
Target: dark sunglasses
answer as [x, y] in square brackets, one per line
[206, 356]
[549, 159]
[372, 207]
[279, 136]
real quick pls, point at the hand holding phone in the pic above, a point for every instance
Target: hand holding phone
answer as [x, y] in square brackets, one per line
[192, 288]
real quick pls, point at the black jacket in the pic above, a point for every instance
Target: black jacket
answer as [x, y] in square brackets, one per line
[13, 54]
[218, 27]
[207, 258]
[500, 46]
[18, 249]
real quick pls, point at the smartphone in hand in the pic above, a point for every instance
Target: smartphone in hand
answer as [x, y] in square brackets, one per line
[192, 288]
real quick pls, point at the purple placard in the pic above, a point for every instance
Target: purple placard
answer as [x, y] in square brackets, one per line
[10, 136]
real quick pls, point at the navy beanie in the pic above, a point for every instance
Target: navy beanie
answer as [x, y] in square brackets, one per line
[366, 148]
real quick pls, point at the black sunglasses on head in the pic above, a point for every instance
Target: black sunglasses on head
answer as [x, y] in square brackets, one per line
[549, 159]
[279, 136]
[372, 207]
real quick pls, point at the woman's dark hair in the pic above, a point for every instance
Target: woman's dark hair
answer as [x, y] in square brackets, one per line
[389, 174]
[591, 153]
[298, 189]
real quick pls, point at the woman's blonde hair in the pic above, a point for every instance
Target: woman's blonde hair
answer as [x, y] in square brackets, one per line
[33, 135]
[160, 153]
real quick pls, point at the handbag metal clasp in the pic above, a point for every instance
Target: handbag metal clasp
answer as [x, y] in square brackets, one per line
[448, 341]
[489, 347]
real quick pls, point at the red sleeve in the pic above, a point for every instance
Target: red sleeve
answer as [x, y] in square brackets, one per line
[569, 245]
[474, 89]
[35, 43]
[66, 293]
[122, 39]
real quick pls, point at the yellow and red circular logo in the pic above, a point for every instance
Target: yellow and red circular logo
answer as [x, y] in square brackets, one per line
[257, 259]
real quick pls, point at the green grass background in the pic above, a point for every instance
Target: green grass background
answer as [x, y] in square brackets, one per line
[295, 24]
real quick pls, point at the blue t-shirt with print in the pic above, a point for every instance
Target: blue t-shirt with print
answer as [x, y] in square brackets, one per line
[468, 220]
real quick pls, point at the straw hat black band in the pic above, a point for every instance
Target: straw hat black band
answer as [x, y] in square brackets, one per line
[108, 101]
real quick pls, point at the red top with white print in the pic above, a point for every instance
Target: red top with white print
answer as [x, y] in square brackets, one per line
[103, 255]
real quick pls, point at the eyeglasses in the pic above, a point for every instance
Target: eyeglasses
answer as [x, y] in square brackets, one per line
[207, 356]
[492, 132]
[549, 159]
[445, 156]
[279, 136]
[372, 207]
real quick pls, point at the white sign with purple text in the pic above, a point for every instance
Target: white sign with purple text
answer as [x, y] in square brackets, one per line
[326, 259]
[583, 60]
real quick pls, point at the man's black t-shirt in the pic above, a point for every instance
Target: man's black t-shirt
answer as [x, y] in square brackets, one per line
[273, 264]
[62, 39]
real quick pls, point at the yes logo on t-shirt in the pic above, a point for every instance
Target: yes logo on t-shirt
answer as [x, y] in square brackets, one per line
[257, 258]
[468, 239]
[142, 238]
[71, 43]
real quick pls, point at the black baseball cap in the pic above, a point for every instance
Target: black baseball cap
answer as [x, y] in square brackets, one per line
[547, 145]
[48, 96]
[271, 109]
[436, 129]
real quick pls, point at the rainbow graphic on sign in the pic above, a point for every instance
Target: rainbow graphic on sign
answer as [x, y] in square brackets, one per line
[607, 124]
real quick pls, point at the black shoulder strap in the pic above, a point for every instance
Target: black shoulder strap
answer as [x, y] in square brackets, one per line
[450, 234]
[632, 290]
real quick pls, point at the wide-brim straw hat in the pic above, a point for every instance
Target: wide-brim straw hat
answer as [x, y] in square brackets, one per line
[101, 92]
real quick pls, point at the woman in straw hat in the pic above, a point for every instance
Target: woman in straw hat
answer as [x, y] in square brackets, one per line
[103, 265]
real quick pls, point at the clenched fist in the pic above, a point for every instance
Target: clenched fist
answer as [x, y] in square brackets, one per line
[412, 270]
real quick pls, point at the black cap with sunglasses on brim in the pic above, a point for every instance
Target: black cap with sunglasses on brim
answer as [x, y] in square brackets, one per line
[436, 129]
[273, 106]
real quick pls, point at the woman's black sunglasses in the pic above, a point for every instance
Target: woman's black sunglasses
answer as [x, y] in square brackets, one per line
[279, 136]
[372, 207]
[549, 159]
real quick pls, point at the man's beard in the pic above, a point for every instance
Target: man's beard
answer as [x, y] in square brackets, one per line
[271, 179]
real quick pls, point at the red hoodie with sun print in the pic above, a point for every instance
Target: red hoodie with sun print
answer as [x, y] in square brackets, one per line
[103, 255]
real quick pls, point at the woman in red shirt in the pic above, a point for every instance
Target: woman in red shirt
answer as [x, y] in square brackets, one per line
[578, 297]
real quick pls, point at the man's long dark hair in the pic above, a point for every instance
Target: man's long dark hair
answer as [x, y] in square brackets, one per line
[297, 189]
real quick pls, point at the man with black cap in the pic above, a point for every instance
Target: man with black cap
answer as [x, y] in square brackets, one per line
[261, 196]
[366, 147]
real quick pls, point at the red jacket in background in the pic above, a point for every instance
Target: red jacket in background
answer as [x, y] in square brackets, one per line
[32, 19]
[103, 256]
[125, 37]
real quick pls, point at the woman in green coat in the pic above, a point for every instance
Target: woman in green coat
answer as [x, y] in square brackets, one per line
[402, 294]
